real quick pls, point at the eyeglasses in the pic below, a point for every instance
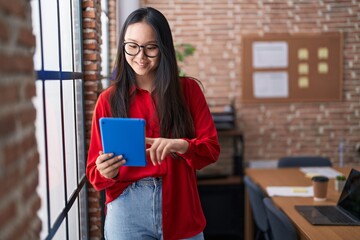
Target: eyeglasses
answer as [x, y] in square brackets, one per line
[133, 49]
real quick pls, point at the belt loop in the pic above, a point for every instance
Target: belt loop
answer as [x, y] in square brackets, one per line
[157, 181]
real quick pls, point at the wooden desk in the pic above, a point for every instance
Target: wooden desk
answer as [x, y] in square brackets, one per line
[294, 177]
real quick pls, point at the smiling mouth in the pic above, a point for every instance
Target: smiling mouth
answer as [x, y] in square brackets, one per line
[142, 64]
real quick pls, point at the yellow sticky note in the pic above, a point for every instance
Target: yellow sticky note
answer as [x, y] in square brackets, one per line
[303, 54]
[323, 53]
[303, 68]
[299, 190]
[323, 68]
[303, 82]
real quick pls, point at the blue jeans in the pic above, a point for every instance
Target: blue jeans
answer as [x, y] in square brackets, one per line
[137, 213]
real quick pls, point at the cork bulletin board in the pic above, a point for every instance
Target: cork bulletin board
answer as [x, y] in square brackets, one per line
[292, 68]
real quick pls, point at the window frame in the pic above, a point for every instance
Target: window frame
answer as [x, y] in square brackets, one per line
[75, 78]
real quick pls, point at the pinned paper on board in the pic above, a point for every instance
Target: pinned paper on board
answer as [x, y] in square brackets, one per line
[271, 84]
[303, 54]
[303, 68]
[323, 68]
[270, 54]
[323, 53]
[303, 82]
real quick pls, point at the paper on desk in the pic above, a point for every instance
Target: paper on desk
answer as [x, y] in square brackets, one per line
[292, 191]
[323, 171]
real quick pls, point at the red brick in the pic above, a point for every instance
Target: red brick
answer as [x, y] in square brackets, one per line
[91, 57]
[92, 88]
[35, 206]
[91, 96]
[28, 143]
[91, 46]
[31, 164]
[26, 38]
[91, 67]
[30, 90]
[88, 4]
[89, 14]
[4, 35]
[30, 187]
[7, 213]
[90, 106]
[7, 125]
[90, 35]
[15, 7]
[21, 229]
[10, 182]
[16, 64]
[91, 77]
[35, 224]
[12, 152]
[9, 93]
[89, 24]
[28, 116]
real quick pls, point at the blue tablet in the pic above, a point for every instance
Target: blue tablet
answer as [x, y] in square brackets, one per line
[124, 136]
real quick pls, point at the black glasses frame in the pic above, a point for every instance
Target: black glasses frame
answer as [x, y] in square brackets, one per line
[139, 49]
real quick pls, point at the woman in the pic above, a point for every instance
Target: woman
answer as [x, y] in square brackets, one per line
[159, 201]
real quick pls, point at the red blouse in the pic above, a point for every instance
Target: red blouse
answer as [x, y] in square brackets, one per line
[182, 213]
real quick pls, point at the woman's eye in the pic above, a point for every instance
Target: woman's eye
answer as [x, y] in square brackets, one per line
[151, 47]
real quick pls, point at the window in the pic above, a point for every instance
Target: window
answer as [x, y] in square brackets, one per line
[60, 124]
[105, 44]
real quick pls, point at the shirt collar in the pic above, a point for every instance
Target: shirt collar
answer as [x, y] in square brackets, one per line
[133, 88]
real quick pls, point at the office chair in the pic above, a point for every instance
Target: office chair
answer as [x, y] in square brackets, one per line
[256, 196]
[280, 224]
[304, 161]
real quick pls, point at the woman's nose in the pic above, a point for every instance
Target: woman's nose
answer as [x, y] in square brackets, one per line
[141, 53]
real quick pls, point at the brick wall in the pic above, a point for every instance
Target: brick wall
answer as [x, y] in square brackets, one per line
[271, 130]
[92, 87]
[19, 157]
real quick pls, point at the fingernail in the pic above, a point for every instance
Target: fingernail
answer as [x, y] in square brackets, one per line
[111, 154]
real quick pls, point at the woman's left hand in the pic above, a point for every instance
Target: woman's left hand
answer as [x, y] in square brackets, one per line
[161, 147]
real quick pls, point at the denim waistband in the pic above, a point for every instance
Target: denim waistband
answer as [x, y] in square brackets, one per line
[154, 181]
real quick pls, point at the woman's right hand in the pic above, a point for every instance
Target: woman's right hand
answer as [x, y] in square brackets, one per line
[108, 166]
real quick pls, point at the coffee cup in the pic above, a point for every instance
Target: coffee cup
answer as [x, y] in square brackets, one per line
[320, 186]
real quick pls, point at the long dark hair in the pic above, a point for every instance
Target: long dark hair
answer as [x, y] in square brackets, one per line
[172, 110]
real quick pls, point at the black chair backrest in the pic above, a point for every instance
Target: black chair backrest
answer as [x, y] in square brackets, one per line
[280, 224]
[256, 196]
[304, 161]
